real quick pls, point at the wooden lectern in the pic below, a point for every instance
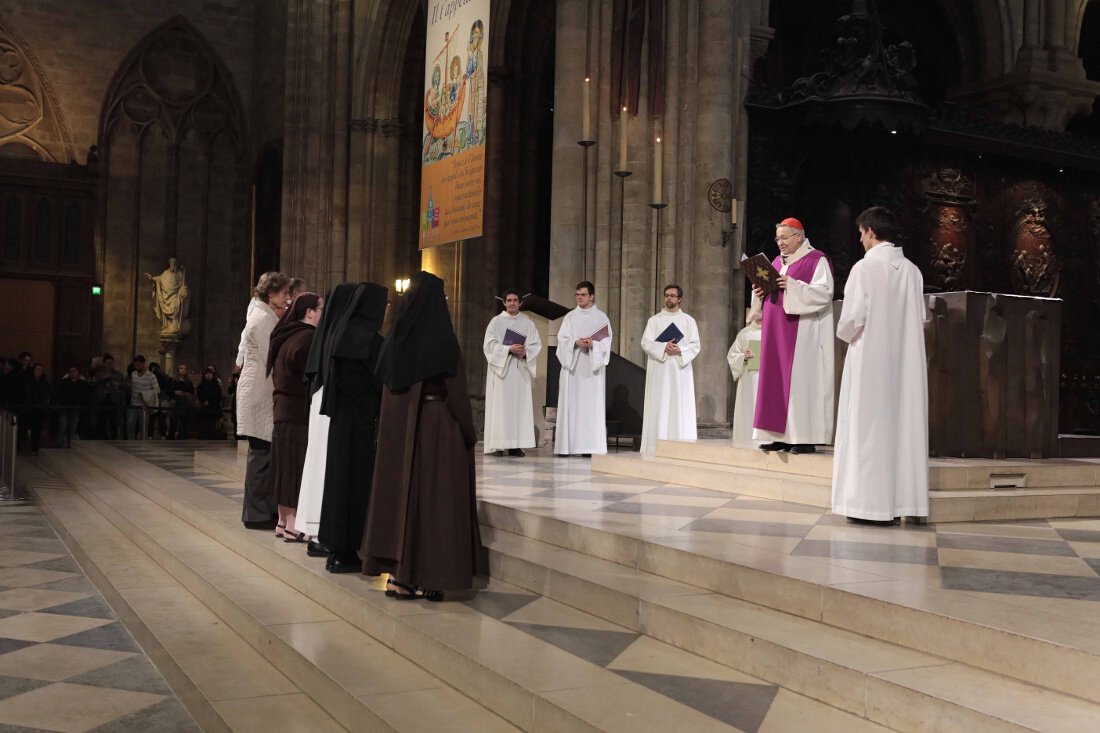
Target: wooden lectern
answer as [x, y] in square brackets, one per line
[993, 371]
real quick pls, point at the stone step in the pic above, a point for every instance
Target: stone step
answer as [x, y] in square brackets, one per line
[798, 489]
[361, 683]
[940, 624]
[531, 683]
[223, 682]
[965, 505]
[882, 682]
[944, 474]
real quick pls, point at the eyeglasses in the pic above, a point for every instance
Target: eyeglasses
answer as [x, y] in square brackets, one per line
[785, 238]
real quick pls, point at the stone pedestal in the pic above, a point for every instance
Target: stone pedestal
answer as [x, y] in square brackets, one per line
[993, 370]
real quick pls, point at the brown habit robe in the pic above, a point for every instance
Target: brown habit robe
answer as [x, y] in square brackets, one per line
[422, 523]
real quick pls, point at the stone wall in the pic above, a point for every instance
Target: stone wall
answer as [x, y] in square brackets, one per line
[81, 44]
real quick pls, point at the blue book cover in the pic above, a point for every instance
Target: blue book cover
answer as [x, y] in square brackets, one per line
[513, 337]
[670, 334]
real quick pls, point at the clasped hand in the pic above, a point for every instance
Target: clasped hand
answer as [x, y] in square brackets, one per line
[782, 281]
[585, 344]
[672, 348]
[518, 350]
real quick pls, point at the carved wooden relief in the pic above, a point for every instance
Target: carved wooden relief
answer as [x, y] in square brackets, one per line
[1035, 267]
[31, 124]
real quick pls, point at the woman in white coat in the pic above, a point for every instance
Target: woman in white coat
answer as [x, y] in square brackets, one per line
[254, 398]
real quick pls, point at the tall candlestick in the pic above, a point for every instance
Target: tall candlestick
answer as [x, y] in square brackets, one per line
[658, 194]
[586, 114]
[624, 120]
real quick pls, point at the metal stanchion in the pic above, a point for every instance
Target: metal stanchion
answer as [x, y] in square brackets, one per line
[9, 436]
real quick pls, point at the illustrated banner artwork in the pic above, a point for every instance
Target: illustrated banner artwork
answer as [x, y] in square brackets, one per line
[452, 183]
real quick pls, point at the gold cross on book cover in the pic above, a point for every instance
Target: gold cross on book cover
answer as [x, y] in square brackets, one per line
[760, 272]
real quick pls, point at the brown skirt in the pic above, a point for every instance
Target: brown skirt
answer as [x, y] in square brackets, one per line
[288, 457]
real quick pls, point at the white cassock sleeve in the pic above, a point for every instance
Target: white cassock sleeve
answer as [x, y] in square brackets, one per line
[689, 344]
[601, 352]
[853, 314]
[533, 346]
[650, 345]
[802, 298]
[567, 351]
[736, 356]
[496, 353]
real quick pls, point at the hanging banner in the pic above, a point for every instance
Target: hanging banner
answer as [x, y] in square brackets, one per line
[452, 182]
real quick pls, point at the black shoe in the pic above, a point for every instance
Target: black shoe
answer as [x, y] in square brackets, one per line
[776, 446]
[518, 452]
[871, 522]
[264, 524]
[803, 448]
[498, 454]
[586, 455]
[344, 564]
[316, 549]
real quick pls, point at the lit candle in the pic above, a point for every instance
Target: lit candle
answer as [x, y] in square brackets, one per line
[623, 122]
[657, 165]
[586, 114]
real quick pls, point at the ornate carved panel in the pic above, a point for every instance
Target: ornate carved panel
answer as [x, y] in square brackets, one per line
[1035, 267]
[31, 123]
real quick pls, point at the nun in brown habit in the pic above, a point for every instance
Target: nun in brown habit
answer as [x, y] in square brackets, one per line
[422, 524]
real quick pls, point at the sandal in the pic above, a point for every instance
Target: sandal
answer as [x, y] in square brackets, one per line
[435, 596]
[296, 537]
[277, 528]
[408, 594]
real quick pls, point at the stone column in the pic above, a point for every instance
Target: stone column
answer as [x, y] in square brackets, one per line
[566, 239]
[711, 264]
[316, 141]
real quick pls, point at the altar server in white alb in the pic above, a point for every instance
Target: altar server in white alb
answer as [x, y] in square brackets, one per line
[670, 342]
[584, 350]
[794, 400]
[744, 360]
[880, 469]
[511, 346]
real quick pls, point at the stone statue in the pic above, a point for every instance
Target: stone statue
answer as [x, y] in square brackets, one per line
[171, 299]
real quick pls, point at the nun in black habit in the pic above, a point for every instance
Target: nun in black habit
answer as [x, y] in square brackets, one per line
[352, 397]
[422, 524]
[310, 499]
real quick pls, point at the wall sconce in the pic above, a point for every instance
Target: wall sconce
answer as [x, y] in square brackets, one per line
[400, 285]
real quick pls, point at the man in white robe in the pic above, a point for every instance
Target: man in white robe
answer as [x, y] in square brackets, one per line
[880, 468]
[509, 406]
[743, 358]
[584, 350]
[794, 401]
[669, 412]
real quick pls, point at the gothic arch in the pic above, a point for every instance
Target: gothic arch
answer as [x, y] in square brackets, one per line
[175, 184]
[30, 115]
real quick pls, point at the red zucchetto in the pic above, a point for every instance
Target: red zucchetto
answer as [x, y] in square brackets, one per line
[793, 223]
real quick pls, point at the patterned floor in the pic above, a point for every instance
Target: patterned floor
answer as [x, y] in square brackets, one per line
[66, 662]
[1048, 565]
[717, 695]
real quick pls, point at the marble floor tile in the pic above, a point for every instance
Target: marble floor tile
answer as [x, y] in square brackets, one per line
[45, 626]
[873, 551]
[1019, 583]
[33, 599]
[985, 560]
[763, 515]
[69, 708]
[23, 577]
[55, 662]
[440, 709]
[167, 716]
[744, 527]
[288, 713]
[987, 543]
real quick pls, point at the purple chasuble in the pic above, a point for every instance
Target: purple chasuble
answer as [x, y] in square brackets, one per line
[779, 331]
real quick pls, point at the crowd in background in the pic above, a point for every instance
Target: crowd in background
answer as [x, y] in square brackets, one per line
[100, 401]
